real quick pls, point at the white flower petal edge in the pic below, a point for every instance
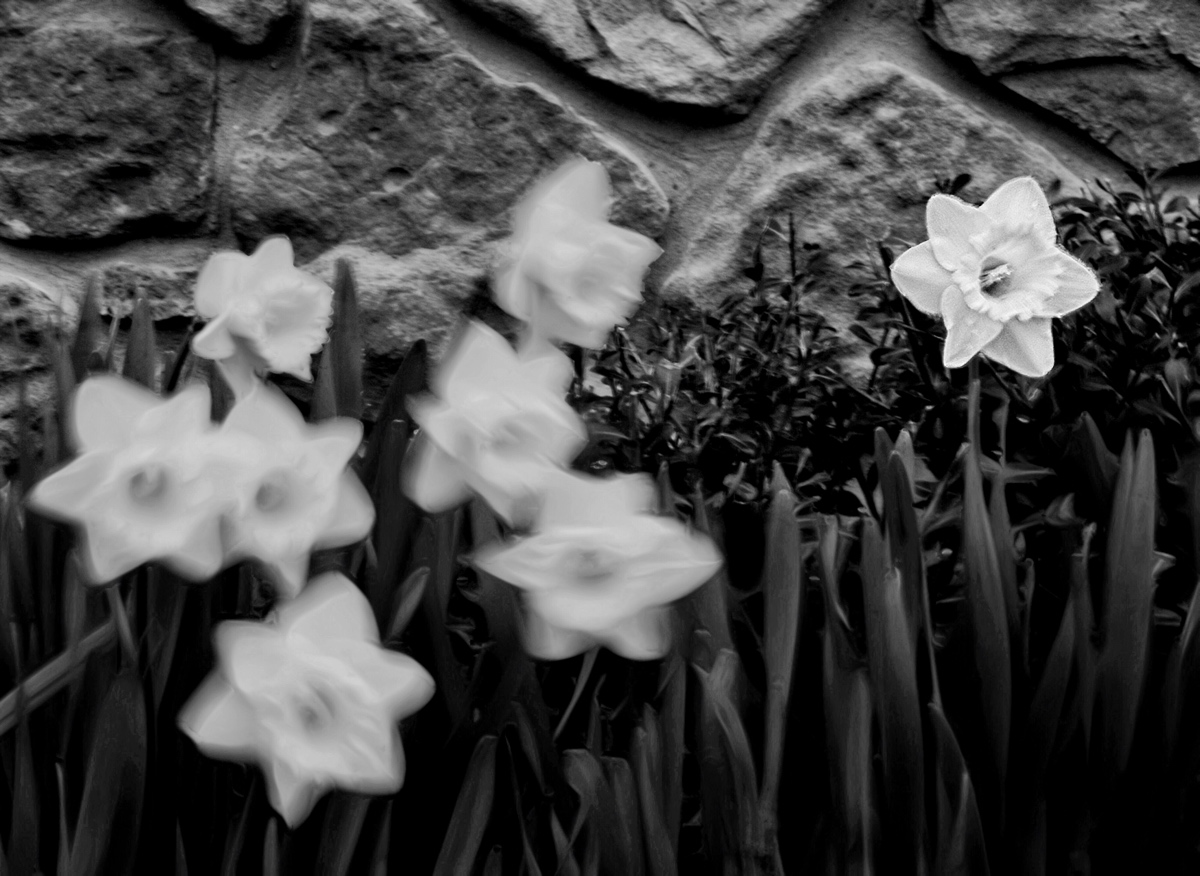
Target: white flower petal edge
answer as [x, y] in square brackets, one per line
[140, 489]
[498, 427]
[570, 274]
[600, 569]
[311, 697]
[996, 276]
[261, 309]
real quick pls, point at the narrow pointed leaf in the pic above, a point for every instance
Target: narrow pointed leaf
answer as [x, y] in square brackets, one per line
[343, 824]
[345, 343]
[961, 848]
[672, 728]
[620, 778]
[1128, 605]
[411, 378]
[471, 813]
[141, 353]
[659, 856]
[89, 331]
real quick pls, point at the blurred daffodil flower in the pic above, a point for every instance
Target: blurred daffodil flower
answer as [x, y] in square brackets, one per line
[997, 277]
[601, 569]
[312, 697]
[570, 274]
[140, 488]
[263, 312]
[497, 425]
[292, 491]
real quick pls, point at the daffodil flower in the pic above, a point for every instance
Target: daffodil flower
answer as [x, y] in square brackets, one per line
[312, 697]
[263, 312]
[601, 569]
[498, 425]
[997, 277]
[292, 491]
[570, 274]
[140, 489]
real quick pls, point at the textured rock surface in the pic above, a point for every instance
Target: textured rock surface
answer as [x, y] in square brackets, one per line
[105, 122]
[853, 158]
[716, 53]
[247, 22]
[394, 141]
[1125, 72]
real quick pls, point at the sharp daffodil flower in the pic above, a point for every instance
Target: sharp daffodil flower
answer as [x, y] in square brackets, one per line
[140, 489]
[312, 697]
[497, 425]
[601, 569]
[996, 276]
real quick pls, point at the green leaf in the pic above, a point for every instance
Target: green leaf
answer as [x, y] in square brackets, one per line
[141, 353]
[345, 346]
[619, 775]
[711, 601]
[472, 813]
[110, 814]
[987, 622]
[891, 659]
[25, 832]
[961, 849]
[344, 817]
[1127, 608]
[408, 598]
[397, 520]
[89, 331]
[1096, 466]
[660, 858]
[1046, 707]
[846, 696]
[671, 727]
[324, 404]
[1006, 553]
[411, 378]
[783, 611]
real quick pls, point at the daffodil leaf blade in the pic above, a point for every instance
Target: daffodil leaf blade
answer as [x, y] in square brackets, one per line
[1128, 605]
[141, 351]
[345, 343]
[411, 378]
[783, 593]
[340, 832]
[89, 330]
[660, 858]
[472, 812]
[961, 847]
[671, 727]
[891, 661]
[25, 830]
[324, 403]
[1041, 730]
[626, 818]
[110, 813]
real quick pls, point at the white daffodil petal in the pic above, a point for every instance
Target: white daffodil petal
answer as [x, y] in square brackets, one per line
[432, 478]
[106, 408]
[353, 514]
[1076, 285]
[544, 641]
[106, 559]
[400, 683]
[1025, 347]
[967, 331]
[920, 278]
[266, 414]
[288, 571]
[250, 654]
[292, 795]
[214, 340]
[272, 256]
[218, 282]
[645, 636]
[1020, 202]
[951, 225]
[59, 494]
[220, 721]
[184, 414]
[199, 554]
[331, 607]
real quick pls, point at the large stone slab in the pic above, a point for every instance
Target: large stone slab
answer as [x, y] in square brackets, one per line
[246, 22]
[392, 140]
[712, 53]
[1124, 71]
[853, 159]
[105, 122]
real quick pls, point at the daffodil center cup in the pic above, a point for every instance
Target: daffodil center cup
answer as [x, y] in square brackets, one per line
[315, 710]
[148, 484]
[591, 565]
[273, 492]
[994, 276]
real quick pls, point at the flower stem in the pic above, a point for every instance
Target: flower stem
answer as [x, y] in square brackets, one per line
[121, 620]
[973, 403]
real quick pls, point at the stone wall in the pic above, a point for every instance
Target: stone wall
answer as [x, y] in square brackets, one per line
[136, 136]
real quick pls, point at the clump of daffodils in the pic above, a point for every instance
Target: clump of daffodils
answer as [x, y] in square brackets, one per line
[596, 565]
